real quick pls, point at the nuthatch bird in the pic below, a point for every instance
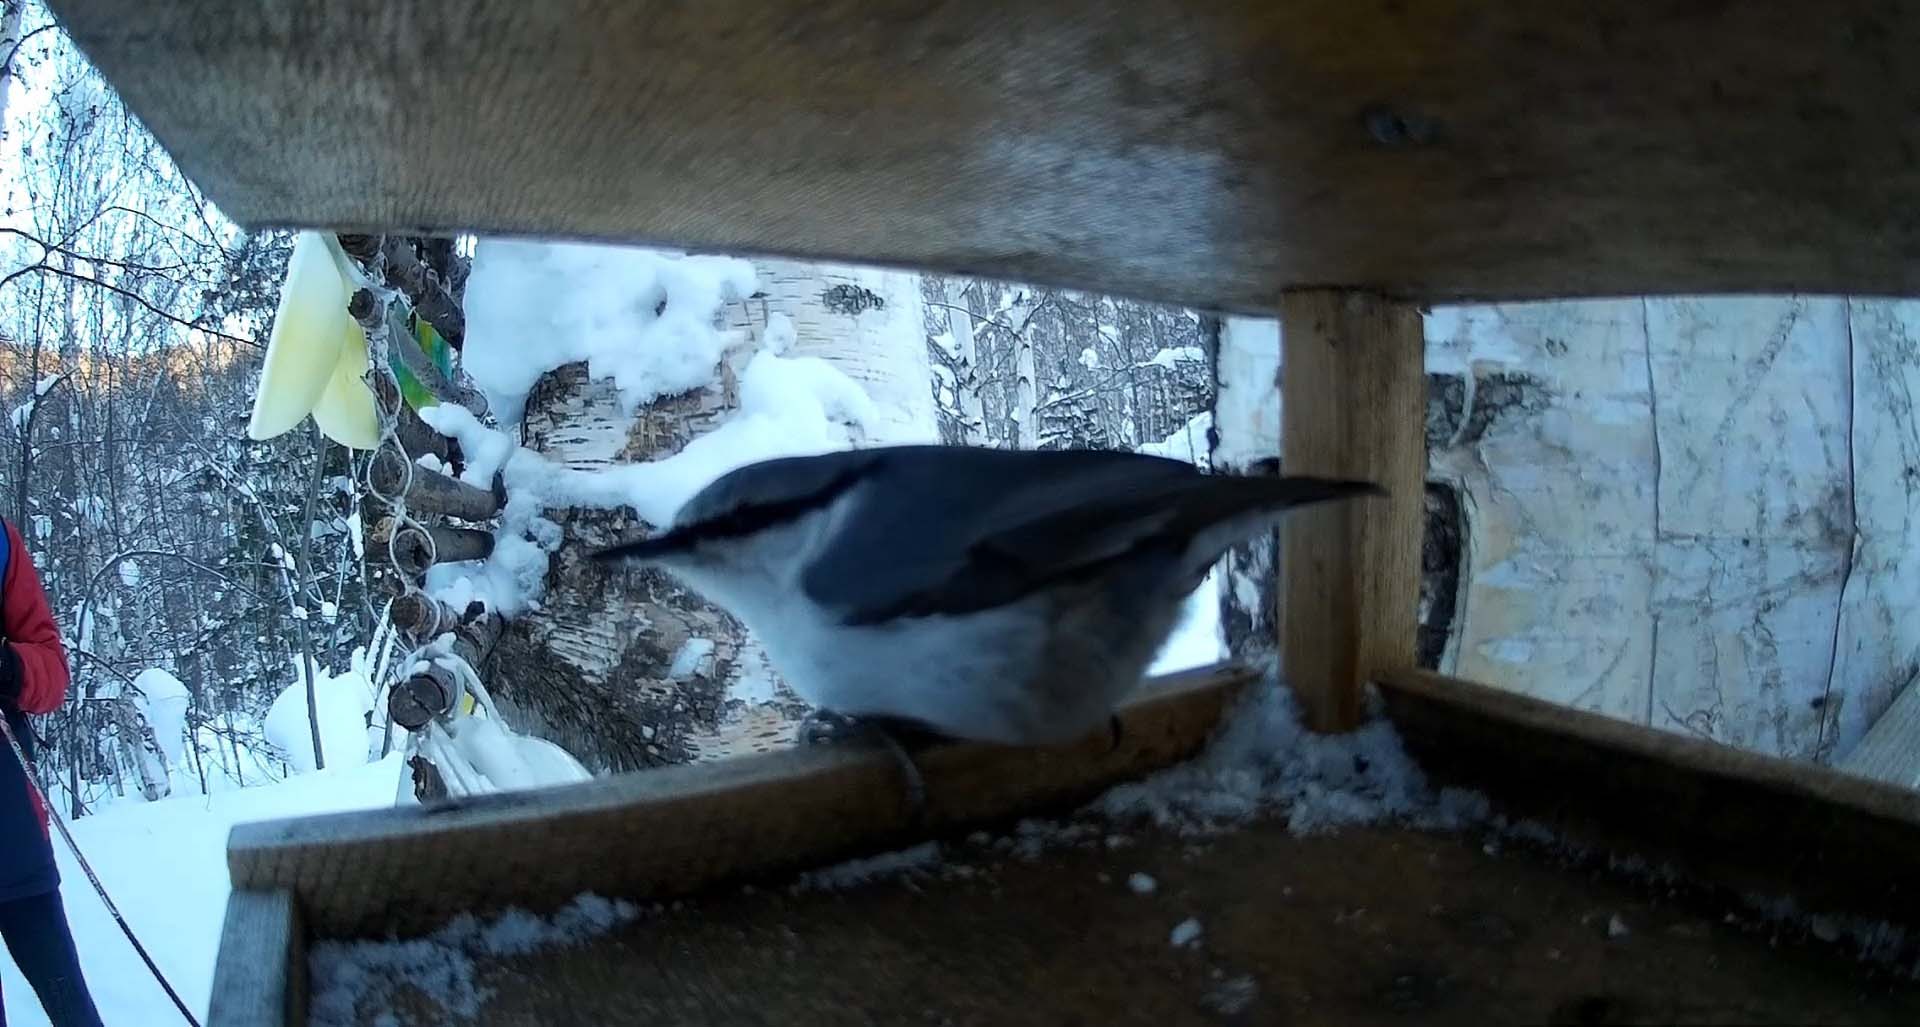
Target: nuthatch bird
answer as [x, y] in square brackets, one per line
[992, 595]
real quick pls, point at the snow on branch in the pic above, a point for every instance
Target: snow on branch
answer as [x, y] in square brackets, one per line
[643, 318]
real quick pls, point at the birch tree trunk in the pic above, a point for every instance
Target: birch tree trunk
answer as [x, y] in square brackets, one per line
[623, 667]
[1246, 438]
[966, 388]
[10, 12]
[1026, 393]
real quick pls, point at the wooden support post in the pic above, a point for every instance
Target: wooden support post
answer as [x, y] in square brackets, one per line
[1352, 406]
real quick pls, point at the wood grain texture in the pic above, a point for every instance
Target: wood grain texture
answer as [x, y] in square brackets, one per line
[1353, 405]
[1890, 751]
[1364, 926]
[675, 829]
[1747, 824]
[260, 975]
[1214, 154]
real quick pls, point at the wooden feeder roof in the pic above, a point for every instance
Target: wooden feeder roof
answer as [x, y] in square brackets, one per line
[1215, 154]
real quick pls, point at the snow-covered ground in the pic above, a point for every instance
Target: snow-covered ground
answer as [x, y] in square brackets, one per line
[165, 865]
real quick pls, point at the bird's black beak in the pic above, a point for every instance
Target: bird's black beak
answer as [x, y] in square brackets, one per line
[647, 549]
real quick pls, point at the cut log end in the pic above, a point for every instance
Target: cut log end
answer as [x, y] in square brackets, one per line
[430, 491]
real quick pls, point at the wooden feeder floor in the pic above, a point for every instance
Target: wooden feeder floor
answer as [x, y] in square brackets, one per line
[1363, 926]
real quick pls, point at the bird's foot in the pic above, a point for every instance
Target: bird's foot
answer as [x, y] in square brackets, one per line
[898, 737]
[1117, 730]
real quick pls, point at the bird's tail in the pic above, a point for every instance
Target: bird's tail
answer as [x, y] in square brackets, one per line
[1220, 497]
[1222, 511]
[1286, 493]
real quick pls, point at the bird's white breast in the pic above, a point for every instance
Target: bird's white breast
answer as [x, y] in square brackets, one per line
[1048, 668]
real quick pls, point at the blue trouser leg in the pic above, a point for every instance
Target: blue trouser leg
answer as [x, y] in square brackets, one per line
[37, 935]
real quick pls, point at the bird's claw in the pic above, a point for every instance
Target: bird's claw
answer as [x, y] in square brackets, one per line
[1118, 731]
[825, 727]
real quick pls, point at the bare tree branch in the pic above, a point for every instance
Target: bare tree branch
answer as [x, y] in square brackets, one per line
[87, 258]
[129, 294]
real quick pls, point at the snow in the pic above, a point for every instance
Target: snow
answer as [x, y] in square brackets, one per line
[1266, 761]
[1142, 884]
[163, 699]
[1198, 639]
[1185, 933]
[342, 702]
[689, 659]
[947, 345]
[1090, 359]
[855, 872]
[165, 865]
[129, 574]
[1188, 443]
[24, 412]
[789, 406]
[349, 978]
[755, 684]
[644, 318]
[512, 761]
[780, 334]
[1248, 402]
[1167, 357]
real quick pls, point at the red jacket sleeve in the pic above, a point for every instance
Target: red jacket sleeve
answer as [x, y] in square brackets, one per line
[31, 632]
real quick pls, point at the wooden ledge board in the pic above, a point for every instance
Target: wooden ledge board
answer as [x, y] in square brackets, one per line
[260, 976]
[1748, 824]
[671, 831]
[1208, 153]
[1364, 926]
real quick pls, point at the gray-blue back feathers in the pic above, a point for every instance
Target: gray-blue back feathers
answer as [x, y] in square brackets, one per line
[933, 530]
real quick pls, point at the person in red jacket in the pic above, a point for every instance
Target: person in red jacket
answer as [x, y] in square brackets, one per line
[33, 680]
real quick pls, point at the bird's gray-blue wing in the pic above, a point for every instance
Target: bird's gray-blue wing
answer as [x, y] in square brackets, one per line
[959, 530]
[970, 529]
